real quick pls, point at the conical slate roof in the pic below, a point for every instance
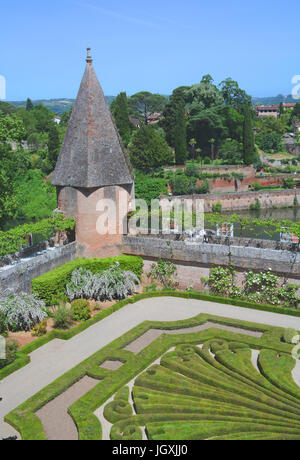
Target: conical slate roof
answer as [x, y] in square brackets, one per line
[91, 155]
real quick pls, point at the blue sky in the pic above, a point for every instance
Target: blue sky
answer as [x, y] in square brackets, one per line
[155, 46]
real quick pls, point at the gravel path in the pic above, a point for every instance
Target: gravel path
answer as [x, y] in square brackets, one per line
[45, 367]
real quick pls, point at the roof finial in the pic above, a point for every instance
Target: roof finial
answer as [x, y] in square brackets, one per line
[89, 58]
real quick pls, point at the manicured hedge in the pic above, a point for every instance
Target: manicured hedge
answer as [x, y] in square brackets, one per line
[53, 283]
[110, 382]
[271, 334]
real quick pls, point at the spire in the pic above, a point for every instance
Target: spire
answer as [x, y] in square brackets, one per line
[89, 58]
[91, 155]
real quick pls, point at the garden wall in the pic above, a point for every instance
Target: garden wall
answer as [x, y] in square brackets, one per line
[17, 278]
[243, 200]
[194, 260]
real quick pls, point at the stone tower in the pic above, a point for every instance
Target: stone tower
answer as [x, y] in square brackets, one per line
[93, 177]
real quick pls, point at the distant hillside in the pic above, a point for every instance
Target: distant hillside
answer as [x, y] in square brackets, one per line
[273, 100]
[58, 106]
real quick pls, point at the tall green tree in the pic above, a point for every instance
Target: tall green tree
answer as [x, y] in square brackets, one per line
[248, 137]
[120, 114]
[174, 124]
[53, 147]
[148, 150]
[29, 105]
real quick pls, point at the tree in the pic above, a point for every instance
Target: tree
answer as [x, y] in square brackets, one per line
[120, 114]
[53, 148]
[174, 124]
[148, 150]
[231, 152]
[44, 118]
[145, 104]
[29, 105]
[11, 129]
[233, 121]
[204, 95]
[233, 95]
[296, 112]
[248, 137]
[13, 164]
[281, 109]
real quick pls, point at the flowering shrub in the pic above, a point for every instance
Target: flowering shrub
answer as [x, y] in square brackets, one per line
[220, 281]
[83, 285]
[116, 283]
[22, 311]
[113, 283]
[261, 288]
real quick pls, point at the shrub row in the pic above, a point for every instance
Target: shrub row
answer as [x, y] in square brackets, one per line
[53, 283]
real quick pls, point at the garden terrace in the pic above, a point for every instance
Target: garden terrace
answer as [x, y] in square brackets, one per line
[215, 367]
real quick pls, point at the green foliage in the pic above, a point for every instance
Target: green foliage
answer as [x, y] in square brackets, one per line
[174, 124]
[230, 374]
[217, 207]
[149, 188]
[62, 316]
[144, 104]
[248, 138]
[255, 206]
[120, 113]
[231, 152]
[163, 272]
[148, 150]
[291, 336]
[12, 348]
[53, 149]
[271, 142]
[260, 288]
[40, 329]
[54, 282]
[35, 196]
[13, 240]
[80, 310]
[11, 129]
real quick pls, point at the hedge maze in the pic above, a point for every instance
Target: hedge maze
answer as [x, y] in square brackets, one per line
[182, 386]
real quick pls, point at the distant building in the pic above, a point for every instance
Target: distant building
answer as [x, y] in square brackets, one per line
[271, 110]
[57, 119]
[267, 110]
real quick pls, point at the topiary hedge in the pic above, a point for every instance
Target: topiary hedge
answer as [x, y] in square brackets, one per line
[53, 283]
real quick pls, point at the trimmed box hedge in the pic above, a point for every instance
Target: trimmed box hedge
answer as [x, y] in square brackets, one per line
[27, 423]
[54, 282]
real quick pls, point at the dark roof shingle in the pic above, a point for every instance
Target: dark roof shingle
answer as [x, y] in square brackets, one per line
[91, 154]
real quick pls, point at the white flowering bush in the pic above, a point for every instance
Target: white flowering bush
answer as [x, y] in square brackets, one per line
[83, 285]
[113, 283]
[261, 288]
[116, 283]
[22, 311]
